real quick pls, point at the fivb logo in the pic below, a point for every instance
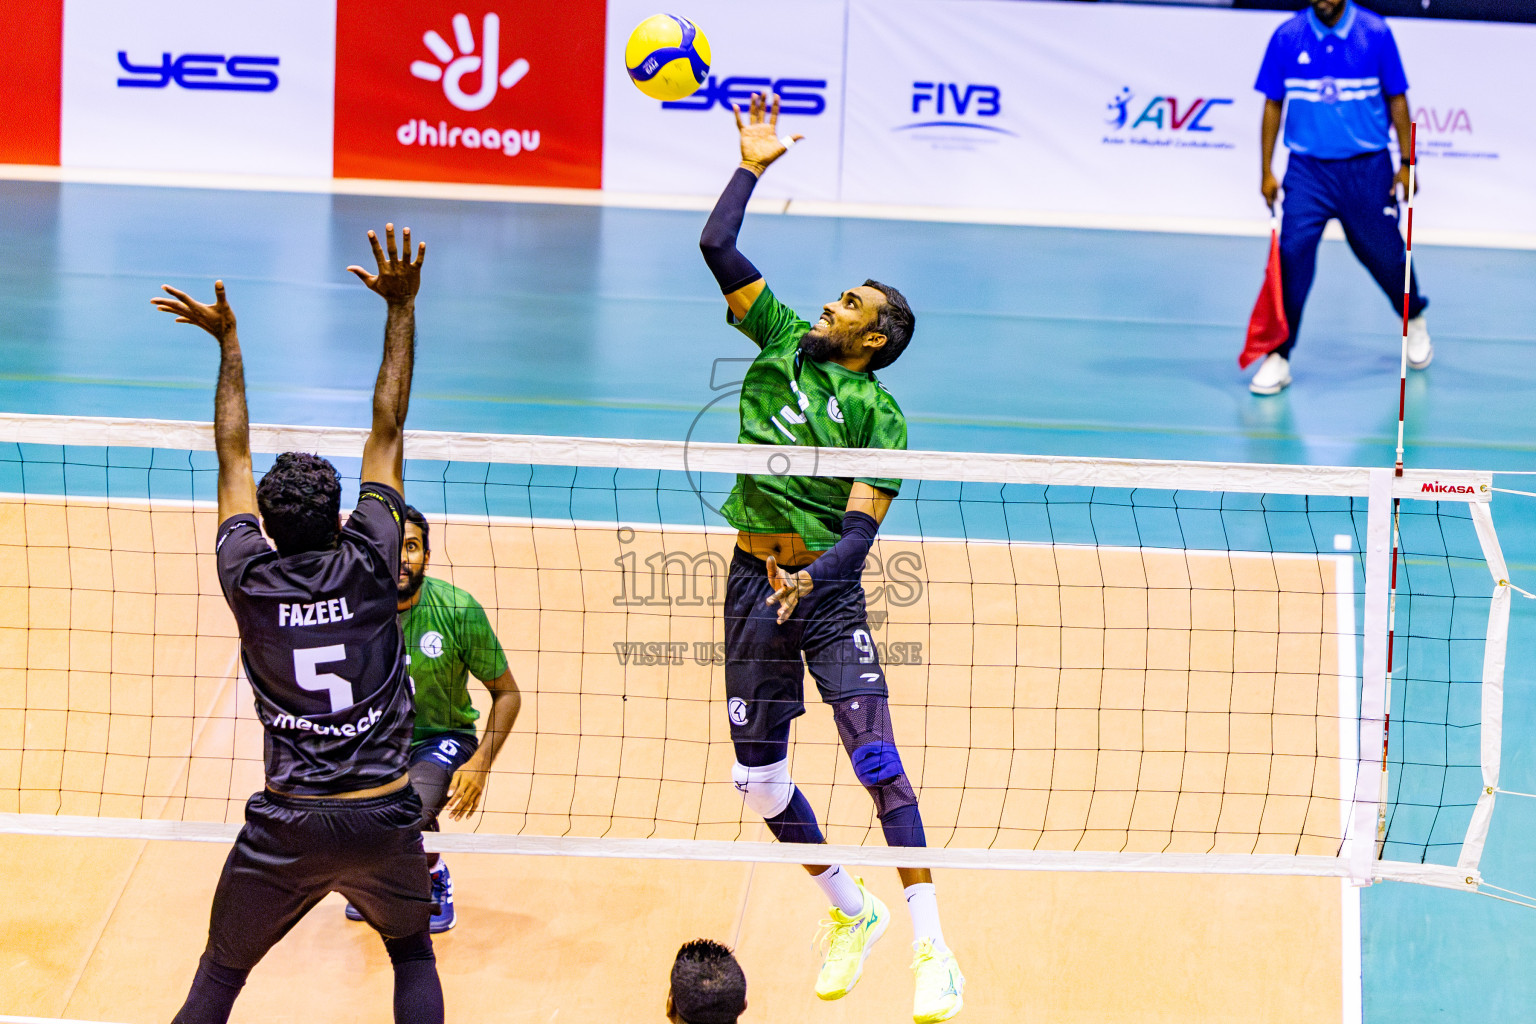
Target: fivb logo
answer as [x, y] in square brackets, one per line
[943, 104]
[451, 70]
[1162, 113]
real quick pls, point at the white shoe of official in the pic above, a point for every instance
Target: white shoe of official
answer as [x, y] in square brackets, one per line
[1420, 352]
[1274, 375]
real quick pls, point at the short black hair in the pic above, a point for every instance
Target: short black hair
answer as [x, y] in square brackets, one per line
[708, 985]
[300, 503]
[896, 321]
[413, 515]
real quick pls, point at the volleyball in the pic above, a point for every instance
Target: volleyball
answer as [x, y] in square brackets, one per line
[667, 57]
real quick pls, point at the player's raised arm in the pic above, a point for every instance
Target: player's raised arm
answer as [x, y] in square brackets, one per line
[397, 281]
[231, 422]
[760, 146]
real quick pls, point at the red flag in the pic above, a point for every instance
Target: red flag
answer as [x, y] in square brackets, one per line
[1267, 328]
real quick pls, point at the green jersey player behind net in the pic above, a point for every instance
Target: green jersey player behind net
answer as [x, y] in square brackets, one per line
[794, 599]
[448, 639]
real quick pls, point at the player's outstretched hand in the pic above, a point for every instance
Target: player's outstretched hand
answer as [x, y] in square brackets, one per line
[788, 588]
[217, 319]
[397, 279]
[760, 142]
[465, 790]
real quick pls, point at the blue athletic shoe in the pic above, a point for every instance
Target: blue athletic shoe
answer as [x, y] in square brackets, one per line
[442, 897]
[353, 914]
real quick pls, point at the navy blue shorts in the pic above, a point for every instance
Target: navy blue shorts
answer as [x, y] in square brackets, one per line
[433, 762]
[765, 662]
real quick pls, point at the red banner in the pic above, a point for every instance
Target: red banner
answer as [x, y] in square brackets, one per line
[508, 92]
[30, 89]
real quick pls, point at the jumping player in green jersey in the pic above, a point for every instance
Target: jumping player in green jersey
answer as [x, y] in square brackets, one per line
[794, 598]
[447, 639]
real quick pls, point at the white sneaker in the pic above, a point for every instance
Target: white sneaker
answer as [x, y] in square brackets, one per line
[1274, 375]
[1420, 352]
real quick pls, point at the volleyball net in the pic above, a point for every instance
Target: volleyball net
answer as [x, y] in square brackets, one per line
[1093, 664]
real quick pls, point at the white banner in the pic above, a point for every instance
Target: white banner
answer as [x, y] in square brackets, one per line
[176, 85]
[1112, 113]
[1081, 108]
[689, 147]
[1469, 85]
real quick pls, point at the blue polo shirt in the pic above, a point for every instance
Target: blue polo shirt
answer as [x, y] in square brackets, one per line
[1336, 79]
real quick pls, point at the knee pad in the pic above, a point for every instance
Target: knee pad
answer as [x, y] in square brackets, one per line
[409, 948]
[876, 763]
[766, 789]
[878, 767]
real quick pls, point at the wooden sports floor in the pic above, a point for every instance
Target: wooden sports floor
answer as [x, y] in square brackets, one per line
[1056, 698]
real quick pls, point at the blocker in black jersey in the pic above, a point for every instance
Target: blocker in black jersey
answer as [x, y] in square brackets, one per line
[320, 640]
[322, 650]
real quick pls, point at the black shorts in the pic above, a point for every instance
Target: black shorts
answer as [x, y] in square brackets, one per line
[292, 852]
[433, 762]
[765, 662]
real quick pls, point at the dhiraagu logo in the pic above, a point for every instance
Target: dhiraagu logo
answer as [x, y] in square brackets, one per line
[452, 68]
[477, 62]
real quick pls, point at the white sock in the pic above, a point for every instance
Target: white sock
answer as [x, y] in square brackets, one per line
[842, 890]
[923, 902]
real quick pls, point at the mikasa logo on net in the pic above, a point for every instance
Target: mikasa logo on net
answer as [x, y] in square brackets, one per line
[451, 70]
[1436, 487]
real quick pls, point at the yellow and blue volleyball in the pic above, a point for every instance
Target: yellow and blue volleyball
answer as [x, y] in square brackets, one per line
[667, 57]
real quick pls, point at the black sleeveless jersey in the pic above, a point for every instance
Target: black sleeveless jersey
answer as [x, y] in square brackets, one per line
[321, 645]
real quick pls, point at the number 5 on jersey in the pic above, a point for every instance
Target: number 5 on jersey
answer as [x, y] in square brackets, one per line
[307, 659]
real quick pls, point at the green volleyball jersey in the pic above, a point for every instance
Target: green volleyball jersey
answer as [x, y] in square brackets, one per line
[789, 399]
[447, 636]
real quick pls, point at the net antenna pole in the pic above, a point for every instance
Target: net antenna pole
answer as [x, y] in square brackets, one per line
[1402, 373]
[1402, 403]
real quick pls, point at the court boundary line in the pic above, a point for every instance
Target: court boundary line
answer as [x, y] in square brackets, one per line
[7, 1019]
[549, 196]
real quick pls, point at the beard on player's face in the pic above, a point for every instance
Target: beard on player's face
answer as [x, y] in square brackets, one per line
[824, 342]
[410, 579]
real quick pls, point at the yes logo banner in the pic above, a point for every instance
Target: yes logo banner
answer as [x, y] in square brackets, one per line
[163, 85]
[507, 92]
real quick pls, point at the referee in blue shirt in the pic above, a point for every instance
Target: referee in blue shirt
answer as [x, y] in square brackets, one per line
[1337, 65]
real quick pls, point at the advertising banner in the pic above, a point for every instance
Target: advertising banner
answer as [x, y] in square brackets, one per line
[161, 85]
[1469, 86]
[1083, 108]
[508, 92]
[689, 147]
[29, 89]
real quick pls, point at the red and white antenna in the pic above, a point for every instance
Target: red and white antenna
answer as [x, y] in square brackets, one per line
[1402, 401]
[1402, 377]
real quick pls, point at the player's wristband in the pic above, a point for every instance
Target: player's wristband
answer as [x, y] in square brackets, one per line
[844, 560]
[718, 242]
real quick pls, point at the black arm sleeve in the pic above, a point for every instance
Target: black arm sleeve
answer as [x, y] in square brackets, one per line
[845, 560]
[718, 242]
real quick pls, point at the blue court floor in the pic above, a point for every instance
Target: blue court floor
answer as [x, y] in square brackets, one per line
[604, 322]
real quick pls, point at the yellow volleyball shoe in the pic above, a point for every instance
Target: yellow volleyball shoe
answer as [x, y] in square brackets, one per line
[848, 941]
[940, 985]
